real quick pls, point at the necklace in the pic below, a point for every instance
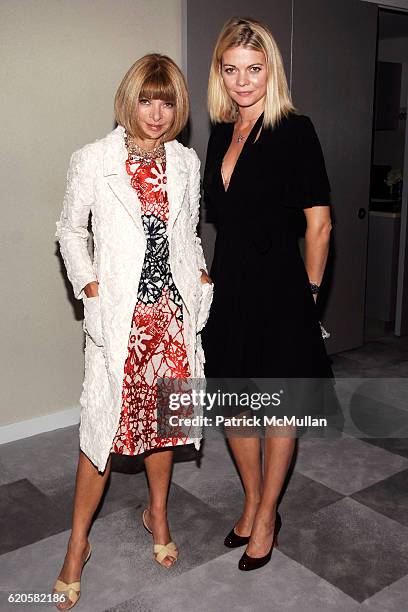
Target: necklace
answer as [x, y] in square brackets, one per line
[240, 138]
[137, 154]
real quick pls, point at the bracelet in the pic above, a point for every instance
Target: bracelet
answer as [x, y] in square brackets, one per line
[314, 288]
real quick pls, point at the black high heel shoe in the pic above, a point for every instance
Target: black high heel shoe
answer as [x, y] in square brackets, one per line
[233, 540]
[247, 563]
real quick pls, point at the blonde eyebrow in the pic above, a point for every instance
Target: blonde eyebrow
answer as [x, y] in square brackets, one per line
[249, 66]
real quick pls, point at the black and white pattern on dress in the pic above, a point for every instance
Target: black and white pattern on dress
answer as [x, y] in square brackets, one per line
[156, 274]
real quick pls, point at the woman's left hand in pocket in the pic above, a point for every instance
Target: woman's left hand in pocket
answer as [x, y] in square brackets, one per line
[205, 278]
[92, 319]
[207, 290]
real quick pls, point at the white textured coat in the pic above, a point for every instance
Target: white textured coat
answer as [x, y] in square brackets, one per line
[97, 181]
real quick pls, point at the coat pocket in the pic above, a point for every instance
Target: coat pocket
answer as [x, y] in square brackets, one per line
[92, 319]
[207, 294]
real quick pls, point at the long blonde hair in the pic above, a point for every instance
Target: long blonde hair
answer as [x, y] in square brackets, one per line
[251, 34]
[152, 76]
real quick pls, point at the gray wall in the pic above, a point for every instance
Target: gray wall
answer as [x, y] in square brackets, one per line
[61, 62]
[329, 53]
[333, 82]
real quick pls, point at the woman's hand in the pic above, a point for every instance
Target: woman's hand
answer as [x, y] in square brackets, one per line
[205, 278]
[207, 291]
[91, 289]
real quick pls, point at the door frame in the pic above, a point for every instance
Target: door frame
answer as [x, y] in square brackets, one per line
[401, 310]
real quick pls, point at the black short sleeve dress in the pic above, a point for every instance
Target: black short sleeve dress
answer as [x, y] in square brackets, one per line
[263, 321]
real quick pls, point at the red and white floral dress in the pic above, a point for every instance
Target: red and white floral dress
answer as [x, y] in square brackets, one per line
[156, 346]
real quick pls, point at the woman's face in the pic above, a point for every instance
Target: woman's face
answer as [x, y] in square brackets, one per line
[155, 117]
[244, 74]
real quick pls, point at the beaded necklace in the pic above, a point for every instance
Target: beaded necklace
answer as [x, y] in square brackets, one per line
[137, 154]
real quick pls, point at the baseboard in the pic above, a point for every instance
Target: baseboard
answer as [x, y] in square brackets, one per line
[32, 427]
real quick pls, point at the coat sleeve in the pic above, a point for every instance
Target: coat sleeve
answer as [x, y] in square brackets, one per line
[72, 227]
[208, 178]
[308, 184]
[194, 197]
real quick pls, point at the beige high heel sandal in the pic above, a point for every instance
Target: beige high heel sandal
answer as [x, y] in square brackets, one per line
[161, 551]
[71, 589]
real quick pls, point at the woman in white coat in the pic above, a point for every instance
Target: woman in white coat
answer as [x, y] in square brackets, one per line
[146, 294]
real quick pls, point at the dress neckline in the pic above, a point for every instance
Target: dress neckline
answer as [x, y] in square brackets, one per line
[255, 128]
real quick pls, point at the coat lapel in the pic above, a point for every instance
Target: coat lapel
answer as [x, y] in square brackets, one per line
[177, 180]
[114, 169]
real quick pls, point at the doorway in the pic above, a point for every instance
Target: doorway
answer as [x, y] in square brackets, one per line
[385, 309]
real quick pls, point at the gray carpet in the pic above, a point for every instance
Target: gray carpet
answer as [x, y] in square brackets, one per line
[343, 543]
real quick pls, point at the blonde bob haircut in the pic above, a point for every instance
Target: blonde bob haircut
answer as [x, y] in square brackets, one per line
[250, 34]
[152, 77]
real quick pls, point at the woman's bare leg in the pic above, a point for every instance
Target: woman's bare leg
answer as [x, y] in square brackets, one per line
[278, 454]
[247, 456]
[89, 487]
[158, 467]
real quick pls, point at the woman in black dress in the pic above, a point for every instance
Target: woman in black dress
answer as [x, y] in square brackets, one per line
[265, 175]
